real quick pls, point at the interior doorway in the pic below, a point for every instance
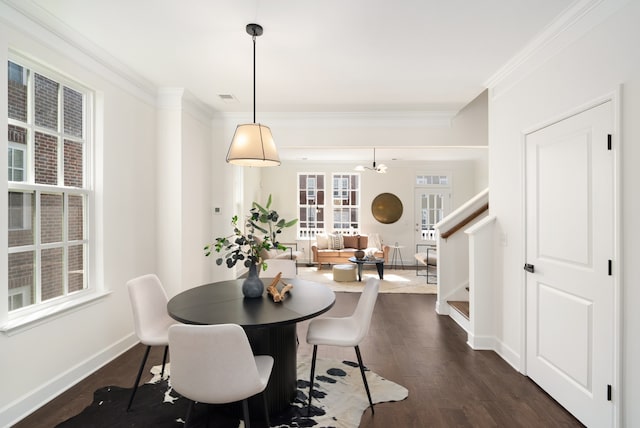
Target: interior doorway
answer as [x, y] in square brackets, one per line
[570, 246]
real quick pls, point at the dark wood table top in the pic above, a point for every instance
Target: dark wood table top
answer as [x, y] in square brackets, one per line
[366, 261]
[223, 302]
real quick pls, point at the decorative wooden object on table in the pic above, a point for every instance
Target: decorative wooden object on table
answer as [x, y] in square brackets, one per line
[273, 289]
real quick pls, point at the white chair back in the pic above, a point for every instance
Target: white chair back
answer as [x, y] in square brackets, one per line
[364, 310]
[149, 304]
[345, 331]
[213, 363]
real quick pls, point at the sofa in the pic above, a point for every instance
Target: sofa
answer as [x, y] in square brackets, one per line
[337, 248]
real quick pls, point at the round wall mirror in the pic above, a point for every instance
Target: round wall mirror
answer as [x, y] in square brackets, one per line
[386, 208]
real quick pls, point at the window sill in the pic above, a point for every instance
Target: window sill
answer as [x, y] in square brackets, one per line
[28, 321]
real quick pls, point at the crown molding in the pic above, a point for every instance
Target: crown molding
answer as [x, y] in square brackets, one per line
[27, 17]
[574, 22]
[405, 119]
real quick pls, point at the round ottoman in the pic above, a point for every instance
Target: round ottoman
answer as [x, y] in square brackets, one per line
[344, 273]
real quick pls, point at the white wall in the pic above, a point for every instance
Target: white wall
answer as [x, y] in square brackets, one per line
[168, 158]
[185, 207]
[580, 68]
[44, 360]
[196, 183]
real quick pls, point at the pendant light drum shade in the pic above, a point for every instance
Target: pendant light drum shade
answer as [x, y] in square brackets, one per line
[253, 145]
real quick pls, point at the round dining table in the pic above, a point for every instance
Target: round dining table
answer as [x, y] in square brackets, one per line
[270, 326]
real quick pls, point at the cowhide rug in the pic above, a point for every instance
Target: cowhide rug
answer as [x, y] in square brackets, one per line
[339, 401]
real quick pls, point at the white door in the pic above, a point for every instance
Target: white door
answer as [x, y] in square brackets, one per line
[570, 242]
[431, 207]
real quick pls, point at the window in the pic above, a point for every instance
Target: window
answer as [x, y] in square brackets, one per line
[310, 205]
[432, 209]
[16, 163]
[432, 180]
[48, 198]
[346, 203]
[433, 196]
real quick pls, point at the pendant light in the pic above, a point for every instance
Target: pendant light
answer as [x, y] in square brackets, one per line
[380, 169]
[252, 143]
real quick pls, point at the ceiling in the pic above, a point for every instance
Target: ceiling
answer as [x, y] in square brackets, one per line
[314, 56]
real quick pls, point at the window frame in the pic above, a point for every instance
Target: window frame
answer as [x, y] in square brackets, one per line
[40, 309]
[441, 188]
[13, 148]
[351, 209]
[317, 209]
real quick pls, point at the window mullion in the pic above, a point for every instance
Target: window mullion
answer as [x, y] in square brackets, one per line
[60, 135]
[37, 277]
[65, 243]
[31, 114]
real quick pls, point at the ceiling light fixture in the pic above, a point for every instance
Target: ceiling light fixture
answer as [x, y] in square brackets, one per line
[380, 169]
[252, 143]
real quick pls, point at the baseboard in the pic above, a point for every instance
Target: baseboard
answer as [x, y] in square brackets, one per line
[28, 403]
[442, 307]
[509, 355]
[484, 343]
[460, 320]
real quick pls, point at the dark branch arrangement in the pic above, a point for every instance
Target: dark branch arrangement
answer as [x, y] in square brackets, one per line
[261, 230]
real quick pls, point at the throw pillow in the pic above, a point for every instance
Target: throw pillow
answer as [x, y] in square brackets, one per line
[337, 241]
[322, 240]
[374, 241]
[350, 241]
[362, 242]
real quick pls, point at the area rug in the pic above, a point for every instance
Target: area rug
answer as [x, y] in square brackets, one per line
[394, 280]
[339, 400]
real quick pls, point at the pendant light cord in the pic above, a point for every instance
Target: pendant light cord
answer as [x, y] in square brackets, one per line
[254, 77]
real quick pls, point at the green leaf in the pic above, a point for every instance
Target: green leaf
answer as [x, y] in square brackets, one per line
[290, 223]
[260, 208]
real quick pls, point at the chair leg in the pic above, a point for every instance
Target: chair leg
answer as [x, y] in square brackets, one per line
[189, 412]
[313, 370]
[164, 361]
[135, 385]
[364, 378]
[266, 409]
[245, 412]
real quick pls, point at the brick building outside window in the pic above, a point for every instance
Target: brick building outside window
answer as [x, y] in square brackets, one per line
[49, 190]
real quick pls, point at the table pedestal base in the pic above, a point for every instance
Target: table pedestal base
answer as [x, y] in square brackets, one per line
[280, 343]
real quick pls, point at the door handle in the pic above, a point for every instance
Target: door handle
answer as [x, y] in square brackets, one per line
[528, 267]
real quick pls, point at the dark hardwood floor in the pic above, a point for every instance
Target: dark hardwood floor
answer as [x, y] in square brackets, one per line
[449, 384]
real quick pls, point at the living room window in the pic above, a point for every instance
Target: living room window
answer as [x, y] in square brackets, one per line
[311, 193]
[432, 199]
[48, 186]
[346, 203]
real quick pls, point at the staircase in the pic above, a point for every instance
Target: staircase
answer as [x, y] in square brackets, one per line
[465, 262]
[460, 313]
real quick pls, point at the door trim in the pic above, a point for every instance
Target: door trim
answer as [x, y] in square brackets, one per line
[615, 98]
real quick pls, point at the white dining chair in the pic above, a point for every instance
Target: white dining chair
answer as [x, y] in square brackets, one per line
[345, 331]
[150, 319]
[214, 364]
